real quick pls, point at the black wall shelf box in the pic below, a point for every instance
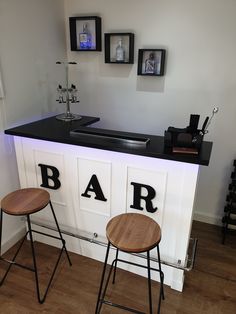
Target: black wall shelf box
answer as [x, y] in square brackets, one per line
[119, 48]
[85, 33]
[151, 62]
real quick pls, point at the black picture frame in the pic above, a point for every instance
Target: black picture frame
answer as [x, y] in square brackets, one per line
[151, 62]
[112, 41]
[93, 26]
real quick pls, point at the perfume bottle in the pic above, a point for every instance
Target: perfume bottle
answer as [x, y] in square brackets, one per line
[85, 38]
[151, 64]
[120, 52]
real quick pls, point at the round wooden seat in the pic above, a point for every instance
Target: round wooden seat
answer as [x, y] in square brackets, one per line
[25, 201]
[133, 232]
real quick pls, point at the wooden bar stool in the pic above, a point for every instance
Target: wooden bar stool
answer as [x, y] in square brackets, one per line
[131, 233]
[26, 202]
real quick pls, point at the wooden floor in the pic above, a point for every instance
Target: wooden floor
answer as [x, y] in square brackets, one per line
[209, 289]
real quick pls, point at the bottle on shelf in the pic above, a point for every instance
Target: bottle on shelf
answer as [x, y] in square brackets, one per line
[151, 64]
[120, 52]
[85, 38]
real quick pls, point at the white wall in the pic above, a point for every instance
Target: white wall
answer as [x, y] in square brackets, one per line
[32, 39]
[9, 182]
[200, 73]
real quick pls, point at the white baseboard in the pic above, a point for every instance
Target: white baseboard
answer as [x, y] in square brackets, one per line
[210, 219]
[8, 243]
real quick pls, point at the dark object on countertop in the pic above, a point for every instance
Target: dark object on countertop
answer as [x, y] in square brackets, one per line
[185, 140]
[110, 136]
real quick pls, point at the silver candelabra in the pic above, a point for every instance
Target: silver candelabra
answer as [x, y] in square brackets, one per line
[67, 95]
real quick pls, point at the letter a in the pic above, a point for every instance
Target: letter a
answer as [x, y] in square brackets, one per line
[95, 187]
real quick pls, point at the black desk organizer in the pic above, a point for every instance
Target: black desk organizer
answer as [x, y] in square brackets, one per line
[186, 140]
[229, 219]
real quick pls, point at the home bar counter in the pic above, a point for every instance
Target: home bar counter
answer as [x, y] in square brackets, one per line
[94, 174]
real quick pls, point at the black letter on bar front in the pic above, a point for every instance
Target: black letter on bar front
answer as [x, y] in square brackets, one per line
[95, 187]
[52, 177]
[148, 198]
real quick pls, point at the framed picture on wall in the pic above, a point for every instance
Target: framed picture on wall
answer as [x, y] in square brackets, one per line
[85, 33]
[119, 48]
[151, 62]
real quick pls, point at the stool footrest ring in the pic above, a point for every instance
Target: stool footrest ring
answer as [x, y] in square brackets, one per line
[15, 264]
[135, 264]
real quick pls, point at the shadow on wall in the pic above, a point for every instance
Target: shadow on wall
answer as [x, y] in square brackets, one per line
[154, 84]
[150, 84]
[145, 84]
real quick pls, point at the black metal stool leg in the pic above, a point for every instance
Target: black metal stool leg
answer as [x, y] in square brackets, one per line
[34, 259]
[161, 273]
[98, 306]
[12, 262]
[59, 231]
[114, 274]
[41, 299]
[149, 282]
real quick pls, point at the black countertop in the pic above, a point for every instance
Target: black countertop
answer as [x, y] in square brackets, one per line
[51, 129]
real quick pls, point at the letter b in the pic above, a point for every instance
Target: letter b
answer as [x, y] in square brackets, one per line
[53, 177]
